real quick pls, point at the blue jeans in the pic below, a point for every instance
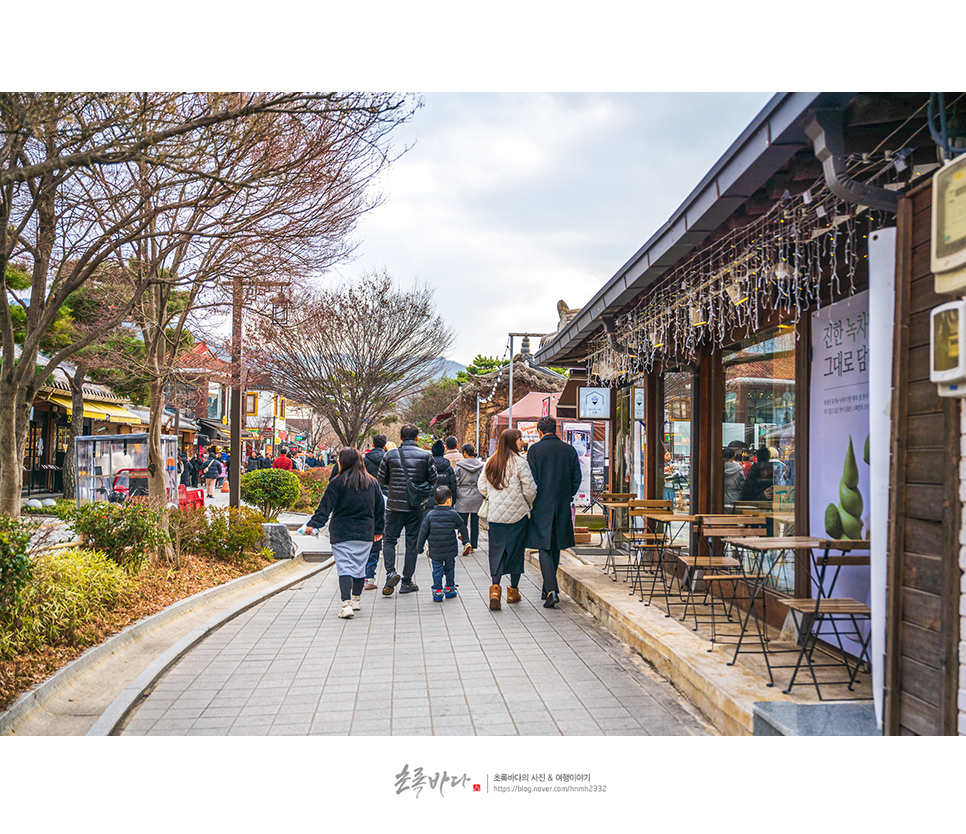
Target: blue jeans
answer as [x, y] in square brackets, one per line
[445, 567]
[373, 563]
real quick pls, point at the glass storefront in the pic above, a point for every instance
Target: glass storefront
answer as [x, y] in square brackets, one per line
[674, 465]
[758, 435]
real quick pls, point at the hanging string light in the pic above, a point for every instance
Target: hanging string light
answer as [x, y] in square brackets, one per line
[780, 263]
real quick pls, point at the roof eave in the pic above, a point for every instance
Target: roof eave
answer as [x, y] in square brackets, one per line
[762, 149]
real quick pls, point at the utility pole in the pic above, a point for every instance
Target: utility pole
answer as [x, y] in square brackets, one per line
[235, 420]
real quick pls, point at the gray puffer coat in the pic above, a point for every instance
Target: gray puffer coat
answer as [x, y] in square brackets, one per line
[469, 499]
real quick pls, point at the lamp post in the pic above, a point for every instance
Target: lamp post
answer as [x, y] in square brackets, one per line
[235, 418]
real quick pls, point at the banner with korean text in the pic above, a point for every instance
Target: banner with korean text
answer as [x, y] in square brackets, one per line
[839, 483]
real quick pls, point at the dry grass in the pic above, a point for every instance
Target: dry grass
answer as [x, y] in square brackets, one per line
[156, 589]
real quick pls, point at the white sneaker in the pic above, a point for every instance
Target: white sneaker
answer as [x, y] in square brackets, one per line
[346, 612]
[356, 603]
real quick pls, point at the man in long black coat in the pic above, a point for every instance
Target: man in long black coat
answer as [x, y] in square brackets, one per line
[556, 470]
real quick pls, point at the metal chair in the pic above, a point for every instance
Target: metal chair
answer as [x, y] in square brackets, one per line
[610, 528]
[810, 615]
[717, 570]
[642, 538]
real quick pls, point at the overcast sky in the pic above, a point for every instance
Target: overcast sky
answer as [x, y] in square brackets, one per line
[509, 202]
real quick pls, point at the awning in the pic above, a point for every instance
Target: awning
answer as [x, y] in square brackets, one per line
[117, 414]
[219, 433]
[90, 410]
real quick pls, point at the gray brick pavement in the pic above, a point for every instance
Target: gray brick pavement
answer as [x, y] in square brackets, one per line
[406, 665]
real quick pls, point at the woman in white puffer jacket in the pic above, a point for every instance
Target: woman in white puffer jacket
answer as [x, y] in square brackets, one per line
[508, 486]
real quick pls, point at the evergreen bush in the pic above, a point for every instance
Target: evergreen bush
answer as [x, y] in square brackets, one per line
[270, 490]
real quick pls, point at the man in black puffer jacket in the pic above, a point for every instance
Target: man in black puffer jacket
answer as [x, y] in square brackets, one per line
[372, 459]
[401, 515]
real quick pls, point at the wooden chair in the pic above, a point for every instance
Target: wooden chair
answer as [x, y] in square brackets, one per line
[722, 574]
[810, 615]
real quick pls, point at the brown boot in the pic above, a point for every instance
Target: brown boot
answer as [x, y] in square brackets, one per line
[495, 591]
[512, 595]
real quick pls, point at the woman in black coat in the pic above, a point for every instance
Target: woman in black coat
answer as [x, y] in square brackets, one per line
[354, 502]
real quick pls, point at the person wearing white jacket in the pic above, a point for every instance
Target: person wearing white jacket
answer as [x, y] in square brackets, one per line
[508, 486]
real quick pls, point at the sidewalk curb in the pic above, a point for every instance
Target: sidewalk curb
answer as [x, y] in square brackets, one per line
[111, 719]
[36, 698]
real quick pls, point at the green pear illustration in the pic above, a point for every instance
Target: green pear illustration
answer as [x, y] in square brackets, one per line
[845, 520]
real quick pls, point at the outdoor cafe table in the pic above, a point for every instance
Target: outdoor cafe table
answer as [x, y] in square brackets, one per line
[799, 545]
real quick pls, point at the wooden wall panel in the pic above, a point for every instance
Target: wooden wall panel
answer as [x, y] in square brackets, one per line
[923, 576]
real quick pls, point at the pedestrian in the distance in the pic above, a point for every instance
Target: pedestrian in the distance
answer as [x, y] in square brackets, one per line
[186, 468]
[195, 470]
[372, 459]
[439, 528]
[509, 489]
[453, 454]
[556, 472]
[469, 498]
[445, 476]
[283, 461]
[354, 502]
[212, 471]
[401, 469]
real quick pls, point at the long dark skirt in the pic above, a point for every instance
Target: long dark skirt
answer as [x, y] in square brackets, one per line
[506, 543]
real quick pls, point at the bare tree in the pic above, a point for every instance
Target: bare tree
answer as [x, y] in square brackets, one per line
[353, 351]
[81, 178]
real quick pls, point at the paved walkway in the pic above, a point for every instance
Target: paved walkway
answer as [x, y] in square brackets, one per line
[406, 665]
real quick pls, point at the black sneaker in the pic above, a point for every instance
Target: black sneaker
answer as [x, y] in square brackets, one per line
[408, 586]
[391, 582]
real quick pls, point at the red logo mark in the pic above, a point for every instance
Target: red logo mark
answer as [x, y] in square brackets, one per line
[476, 787]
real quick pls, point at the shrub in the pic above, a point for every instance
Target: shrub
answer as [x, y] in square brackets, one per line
[312, 486]
[60, 509]
[270, 490]
[15, 565]
[185, 528]
[68, 592]
[126, 533]
[230, 533]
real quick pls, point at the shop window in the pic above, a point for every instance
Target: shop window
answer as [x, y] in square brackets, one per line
[216, 401]
[758, 435]
[251, 404]
[674, 473]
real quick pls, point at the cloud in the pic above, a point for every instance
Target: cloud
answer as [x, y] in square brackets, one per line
[507, 202]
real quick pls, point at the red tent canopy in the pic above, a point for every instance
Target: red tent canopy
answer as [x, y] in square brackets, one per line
[529, 410]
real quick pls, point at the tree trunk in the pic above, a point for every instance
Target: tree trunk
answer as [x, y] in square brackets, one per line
[76, 427]
[157, 487]
[14, 425]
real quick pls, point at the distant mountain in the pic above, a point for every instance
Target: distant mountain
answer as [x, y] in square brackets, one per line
[450, 369]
